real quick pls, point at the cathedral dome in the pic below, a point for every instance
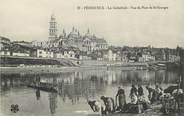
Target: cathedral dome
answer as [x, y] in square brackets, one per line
[74, 33]
[63, 35]
[88, 34]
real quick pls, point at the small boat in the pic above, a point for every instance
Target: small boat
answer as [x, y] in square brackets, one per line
[44, 87]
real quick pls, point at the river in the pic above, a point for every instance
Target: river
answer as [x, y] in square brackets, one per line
[74, 88]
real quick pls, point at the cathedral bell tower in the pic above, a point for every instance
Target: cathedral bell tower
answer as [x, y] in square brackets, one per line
[52, 28]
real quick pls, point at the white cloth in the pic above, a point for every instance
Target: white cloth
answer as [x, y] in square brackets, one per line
[177, 91]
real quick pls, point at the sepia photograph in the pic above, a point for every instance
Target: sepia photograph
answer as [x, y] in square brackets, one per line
[91, 58]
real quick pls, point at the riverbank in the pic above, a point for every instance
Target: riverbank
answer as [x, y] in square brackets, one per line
[90, 65]
[48, 69]
[31, 69]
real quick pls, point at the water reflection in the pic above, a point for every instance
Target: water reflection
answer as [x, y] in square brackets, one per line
[37, 94]
[53, 102]
[74, 88]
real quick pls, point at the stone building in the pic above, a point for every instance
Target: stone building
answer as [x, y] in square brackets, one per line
[93, 43]
[87, 42]
[5, 46]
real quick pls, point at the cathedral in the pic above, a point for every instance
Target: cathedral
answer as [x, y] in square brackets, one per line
[87, 42]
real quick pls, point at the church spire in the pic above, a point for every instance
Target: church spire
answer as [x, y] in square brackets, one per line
[88, 31]
[88, 34]
[53, 17]
[78, 33]
[64, 33]
[73, 29]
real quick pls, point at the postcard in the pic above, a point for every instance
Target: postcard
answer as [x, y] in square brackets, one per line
[91, 57]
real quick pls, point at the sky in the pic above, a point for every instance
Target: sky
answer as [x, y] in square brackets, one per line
[28, 20]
